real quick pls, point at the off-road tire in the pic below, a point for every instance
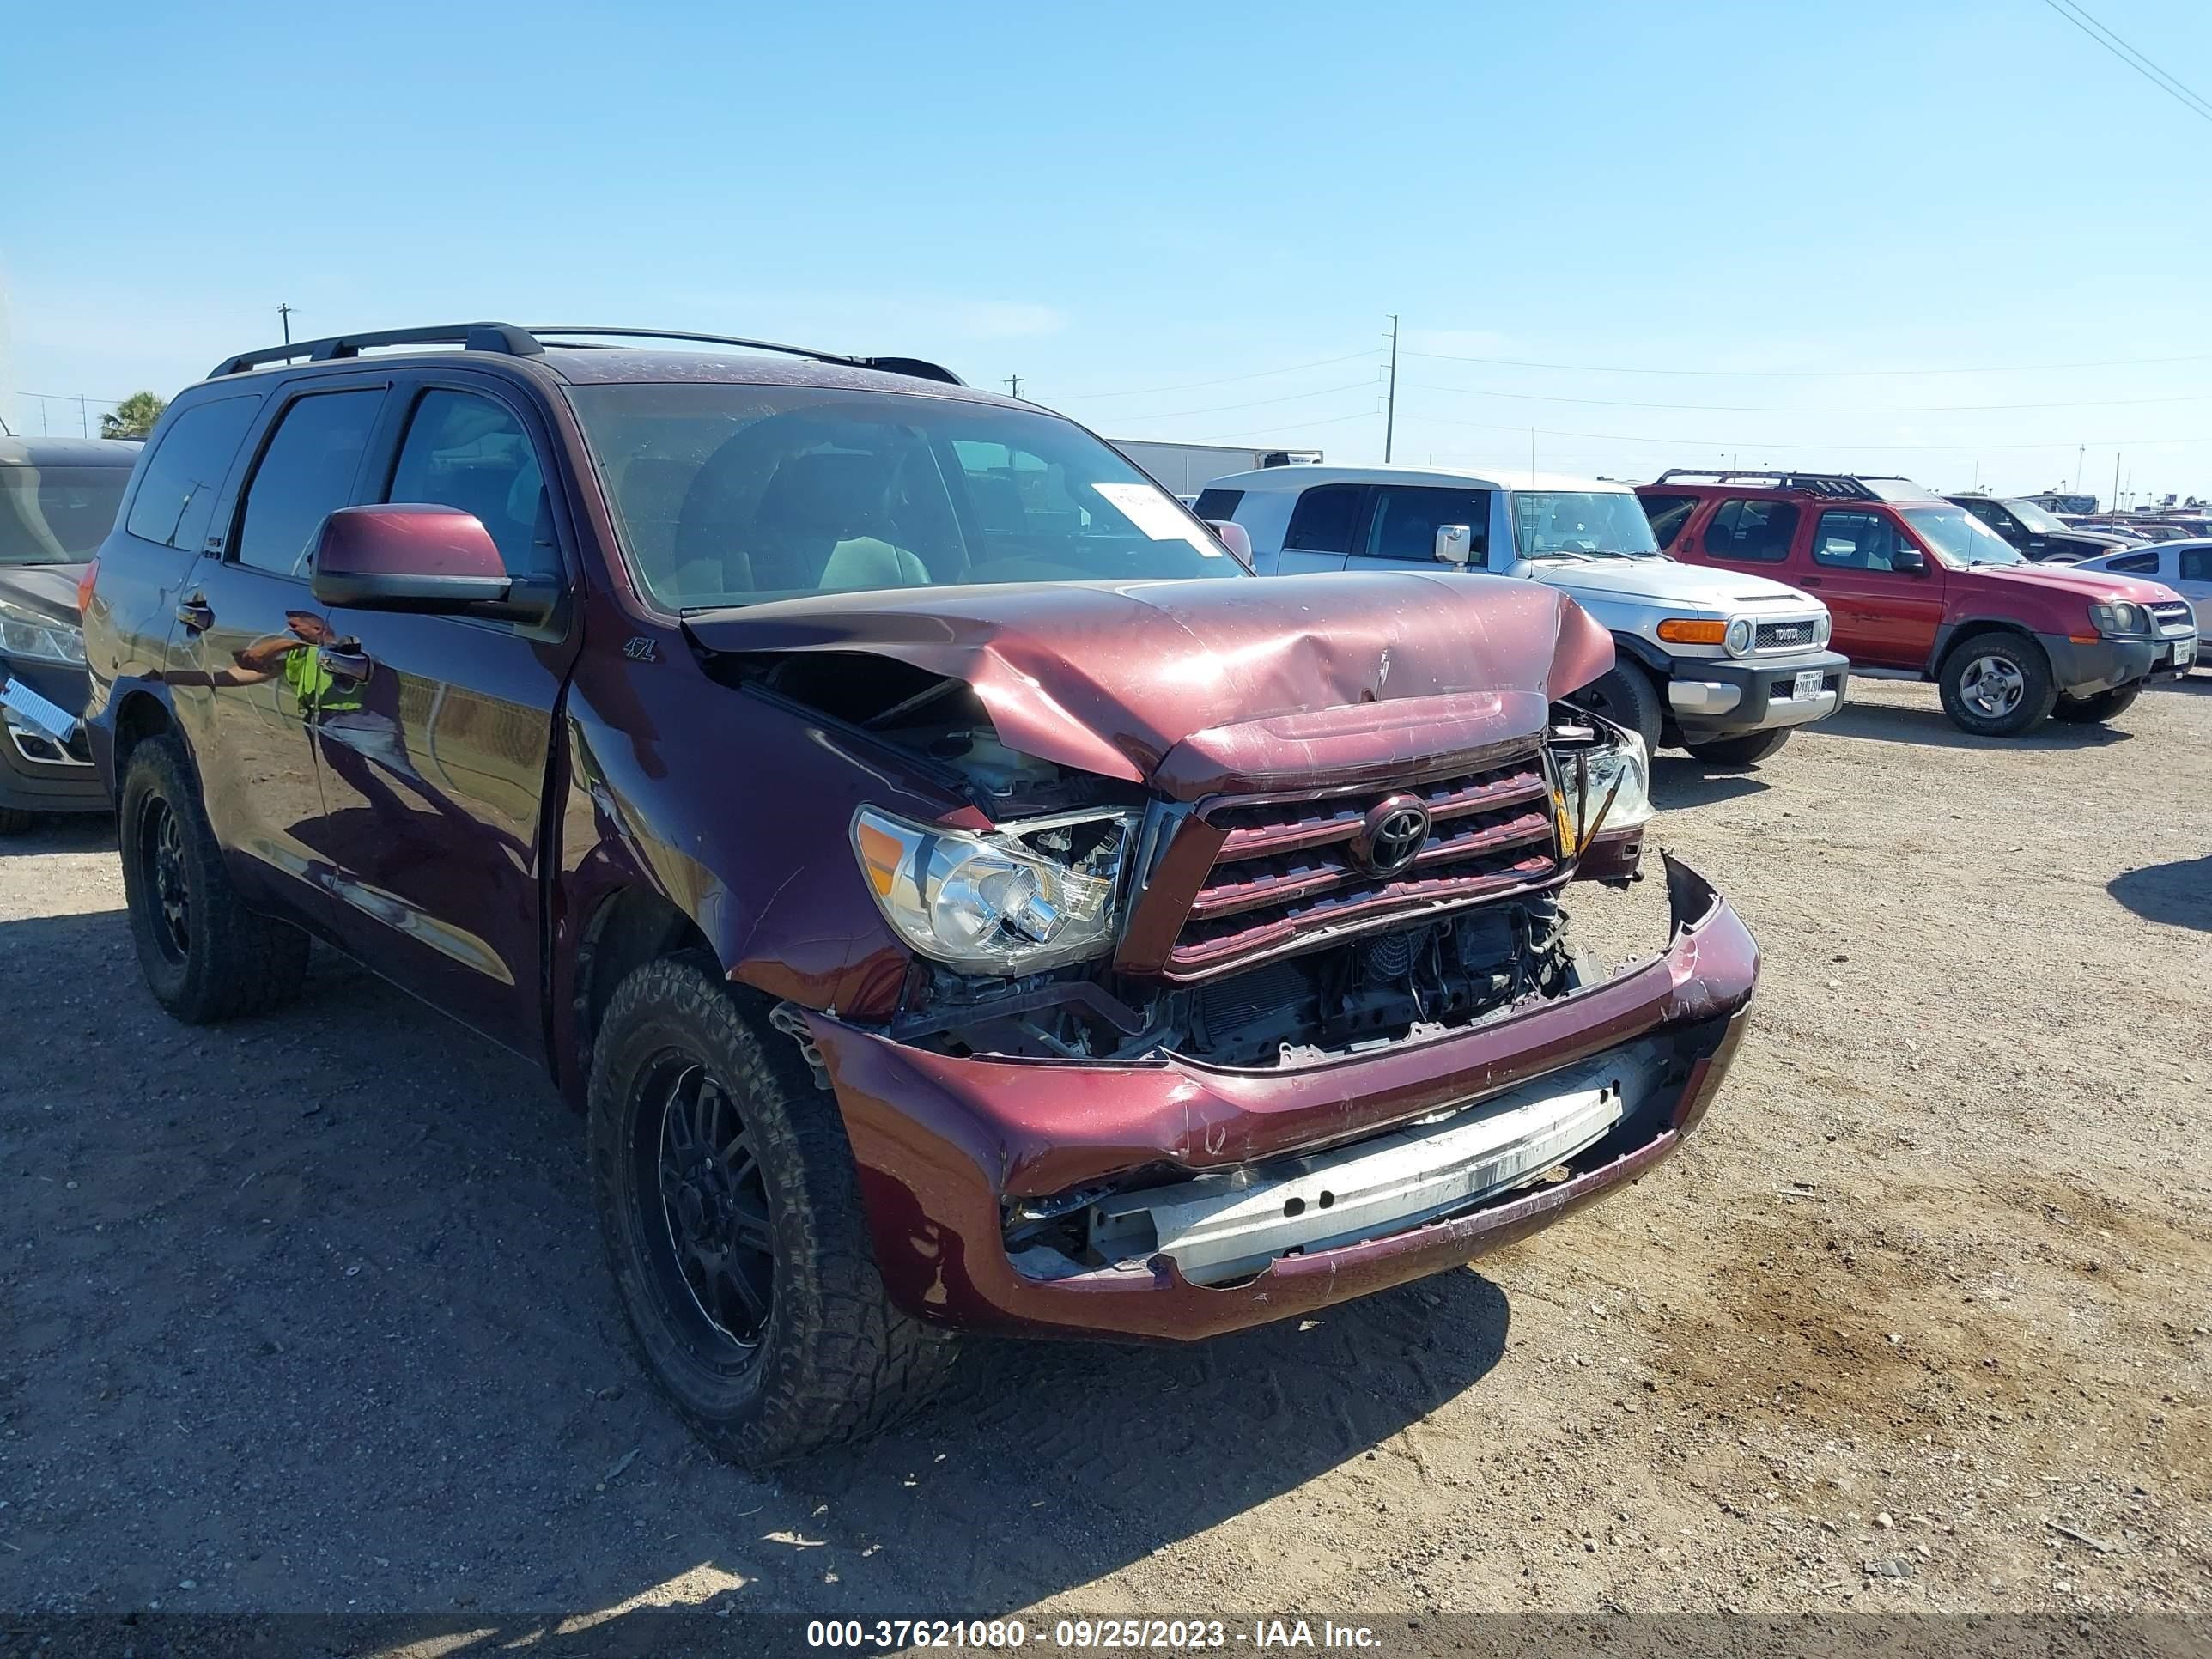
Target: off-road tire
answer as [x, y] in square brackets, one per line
[2038, 693]
[233, 961]
[1625, 694]
[1747, 750]
[834, 1360]
[14, 821]
[2104, 705]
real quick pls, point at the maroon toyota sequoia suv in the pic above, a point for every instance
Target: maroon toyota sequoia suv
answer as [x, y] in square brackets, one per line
[961, 897]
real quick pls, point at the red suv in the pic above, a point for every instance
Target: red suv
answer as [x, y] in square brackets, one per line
[1916, 584]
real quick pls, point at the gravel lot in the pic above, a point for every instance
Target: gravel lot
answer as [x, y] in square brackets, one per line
[309, 1313]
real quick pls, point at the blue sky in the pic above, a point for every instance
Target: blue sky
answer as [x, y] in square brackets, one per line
[1185, 221]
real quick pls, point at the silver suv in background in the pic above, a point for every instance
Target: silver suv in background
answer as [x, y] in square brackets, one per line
[1721, 663]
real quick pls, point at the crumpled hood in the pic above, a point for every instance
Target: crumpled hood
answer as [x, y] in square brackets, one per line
[1665, 579]
[1199, 685]
[44, 590]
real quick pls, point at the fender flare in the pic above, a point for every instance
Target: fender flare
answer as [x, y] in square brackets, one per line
[1950, 633]
[1646, 655]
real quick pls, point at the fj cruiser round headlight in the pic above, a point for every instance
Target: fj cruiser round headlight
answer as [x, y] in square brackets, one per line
[1824, 626]
[1737, 640]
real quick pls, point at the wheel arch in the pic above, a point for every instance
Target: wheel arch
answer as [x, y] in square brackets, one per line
[628, 926]
[1952, 635]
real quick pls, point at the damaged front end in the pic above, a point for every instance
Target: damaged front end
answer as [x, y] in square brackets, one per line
[1210, 1020]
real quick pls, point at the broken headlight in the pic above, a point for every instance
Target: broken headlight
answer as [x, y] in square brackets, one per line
[1592, 764]
[1029, 896]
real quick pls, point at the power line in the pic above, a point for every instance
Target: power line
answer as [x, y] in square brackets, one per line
[1192, 386]
[1257, 403]
[1772, 444]
[1808, 373]
[1811, 408]
[2134, 60]
[1301, 426]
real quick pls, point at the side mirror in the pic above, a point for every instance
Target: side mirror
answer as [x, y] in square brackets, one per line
[1234, 537]
[1909, 560]
[427, 559]
[1455, 545]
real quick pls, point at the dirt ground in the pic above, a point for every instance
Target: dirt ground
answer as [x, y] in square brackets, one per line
[309, 1313]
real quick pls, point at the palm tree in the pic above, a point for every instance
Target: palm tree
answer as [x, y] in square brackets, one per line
[134, 416]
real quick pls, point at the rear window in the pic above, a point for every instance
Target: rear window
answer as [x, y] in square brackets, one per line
[57, 514]
[1751, 532]
[1218, 504]
[176, 495]
[1322, 520]
[2135, 564]
[2197, 564]
[1667, 514]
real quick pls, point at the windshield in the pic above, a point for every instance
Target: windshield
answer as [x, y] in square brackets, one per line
[736, 495]
[1959, 537]
[57, 514]
[2042, 523]
[1548, 523]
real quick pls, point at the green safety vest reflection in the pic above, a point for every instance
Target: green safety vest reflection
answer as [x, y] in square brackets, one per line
[319, 691]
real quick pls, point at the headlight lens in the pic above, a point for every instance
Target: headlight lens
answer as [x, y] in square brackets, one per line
[1029, 896]
[39, 638]
[2119, 618]
[1584, 776]
[1738, 640]
[1824, 627]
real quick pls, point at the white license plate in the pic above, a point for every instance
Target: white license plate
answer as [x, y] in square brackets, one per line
[2185, 652]
[1807, 684]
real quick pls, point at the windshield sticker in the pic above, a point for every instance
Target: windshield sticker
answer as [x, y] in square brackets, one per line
[1143, 506]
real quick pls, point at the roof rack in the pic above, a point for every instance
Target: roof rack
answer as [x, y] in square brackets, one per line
[514, 342]
[1840, 485]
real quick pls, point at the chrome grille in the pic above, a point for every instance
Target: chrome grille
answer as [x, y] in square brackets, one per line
[1797, 635]
[1284, 869]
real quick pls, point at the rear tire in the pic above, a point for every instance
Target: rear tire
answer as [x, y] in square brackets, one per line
[206, 955]
[2105, 705]
[1747, 750]
[1625, 696]
[14, 821]
[1996, 685]
[731, 1208]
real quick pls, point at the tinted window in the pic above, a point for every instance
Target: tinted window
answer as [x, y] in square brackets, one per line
[469, 452]
[2197, 564]
[1322, 520]
[1988, 512]
[1758, 531]
[176, 495]
[1405, 520]
[56, 514]
[305, 474]
[1667, 514]
[2135, 564]
[1854, 541]
[1218, 503]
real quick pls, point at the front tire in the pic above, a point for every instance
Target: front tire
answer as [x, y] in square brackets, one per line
[206, 957]
[1747, 750]
[2105, 706]
[1996, 685]
[14, 821]
[1625, 696]
[732, 1212]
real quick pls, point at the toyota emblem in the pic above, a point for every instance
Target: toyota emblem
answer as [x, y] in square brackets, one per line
[1391, 836]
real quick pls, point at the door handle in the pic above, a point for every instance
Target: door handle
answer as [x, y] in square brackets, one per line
[1808, 582]
[195, 614]
[351, 664]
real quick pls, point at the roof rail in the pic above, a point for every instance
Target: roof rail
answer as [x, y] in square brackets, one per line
[525, 343]
[1841, 485]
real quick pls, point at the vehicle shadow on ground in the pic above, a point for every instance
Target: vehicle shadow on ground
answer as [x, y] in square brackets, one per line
[89, 832]
[1679, 782]
[2179, 894]
[409, 1385]
[1882, 722]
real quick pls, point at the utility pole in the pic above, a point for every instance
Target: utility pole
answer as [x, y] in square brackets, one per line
[1014, 385]
[285, 314]
[84, 424]
[1390, 409]
[2116, 481]
[2081, 465]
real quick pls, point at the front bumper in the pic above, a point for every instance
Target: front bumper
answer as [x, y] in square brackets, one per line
[40, 772]
[1727, 698]
[2081, 669]
[940, 1142]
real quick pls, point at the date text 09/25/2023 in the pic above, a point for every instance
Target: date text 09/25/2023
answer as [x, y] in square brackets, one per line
[1105, 1635]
